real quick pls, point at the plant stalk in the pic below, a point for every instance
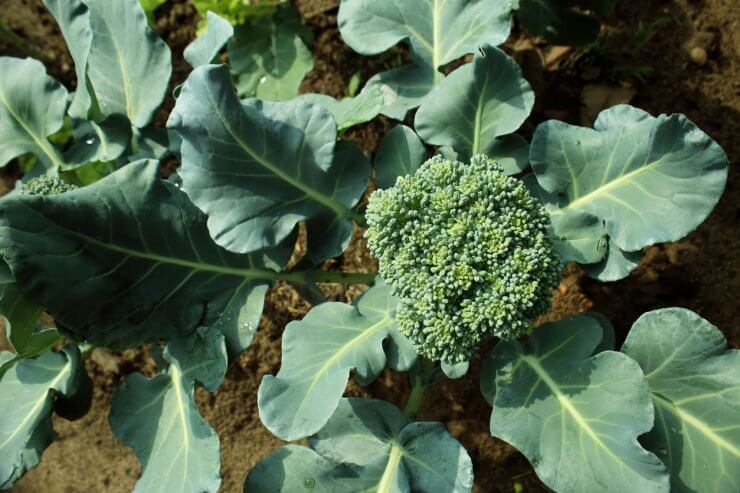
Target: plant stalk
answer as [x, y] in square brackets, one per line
[421, 381]
[328, 276]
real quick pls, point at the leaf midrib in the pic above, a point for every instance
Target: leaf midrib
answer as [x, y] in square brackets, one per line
[686, 417]
[41, 142]
[568, 406]
[605, 189]
[328, 202]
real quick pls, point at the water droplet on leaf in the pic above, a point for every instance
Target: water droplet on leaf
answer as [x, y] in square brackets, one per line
[309, 483]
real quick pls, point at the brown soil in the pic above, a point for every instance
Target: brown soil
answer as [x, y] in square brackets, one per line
[700, 272]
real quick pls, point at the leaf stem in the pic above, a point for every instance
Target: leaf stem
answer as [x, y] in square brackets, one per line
[421, 382]
[359, 219]
[328, 276]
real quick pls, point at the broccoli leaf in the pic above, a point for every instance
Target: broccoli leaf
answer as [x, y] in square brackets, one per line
[437, 31]
[400, 153]
[27, 392]
[32, 107]
[574, 414]
[269, 57]
[206, 47]
[318, 354]
[328, 234]
[128, 66]
[368, 445]
[630, 172]
[349, 112]
[160, 420]
[695, 385]
[22, 327]
[476, 104]
[616, 264]
[73, 18]
[258, 168]
[142, 263]
[105, 141]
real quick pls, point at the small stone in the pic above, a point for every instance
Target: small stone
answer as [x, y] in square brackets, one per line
[699, 55]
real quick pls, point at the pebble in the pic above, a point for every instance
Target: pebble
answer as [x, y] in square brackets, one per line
[699, 55]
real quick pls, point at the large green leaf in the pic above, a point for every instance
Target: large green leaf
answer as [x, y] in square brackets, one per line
[160, 420]
[695, 384]
[400, 153]
[73, 18]
[630, 173]
[98, 142]
[128, 65]
[32, 107]
[27, 392]
[476, 104]
[349, 112]
[437, 31]
[206, 47]
[318, 354]
[574, 414]
[258, 168]
[368, 445]
[269, 57]
[141, 262]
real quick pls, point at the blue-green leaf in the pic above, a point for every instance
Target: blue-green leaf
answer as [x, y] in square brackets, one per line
[206, 47]
[128, 66]
[368, 445]
[476, 104]
[142, 263]
[32, 107]
[400, 153]
[328, 234]
[349, 112]
[22, 328]
[105, 141]
[630, 173]
[616, 264]
[437, 31]
[574, 414]
[73, 18]
[318, 354]
[258, 168]
[695, 385]
[160, 420]
[269, 57]
[27, 391]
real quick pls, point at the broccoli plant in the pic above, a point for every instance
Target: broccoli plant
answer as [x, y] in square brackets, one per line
[470, 223]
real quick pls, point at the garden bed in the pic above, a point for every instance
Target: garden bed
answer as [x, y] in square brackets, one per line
[699, 272]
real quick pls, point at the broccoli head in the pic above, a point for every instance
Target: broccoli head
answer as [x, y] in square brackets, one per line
[467, 252]
[46, 185]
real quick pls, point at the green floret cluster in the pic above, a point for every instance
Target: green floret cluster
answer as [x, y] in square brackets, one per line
[466, 250]
[46, 185]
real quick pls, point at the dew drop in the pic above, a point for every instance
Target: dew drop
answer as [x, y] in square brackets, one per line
[90, 141]
[263, 80]
[309, 483]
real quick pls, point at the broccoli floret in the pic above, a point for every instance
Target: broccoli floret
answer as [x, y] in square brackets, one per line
[466, 250]
[46, 185]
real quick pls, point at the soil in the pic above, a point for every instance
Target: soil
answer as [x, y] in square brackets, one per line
[690, 64]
